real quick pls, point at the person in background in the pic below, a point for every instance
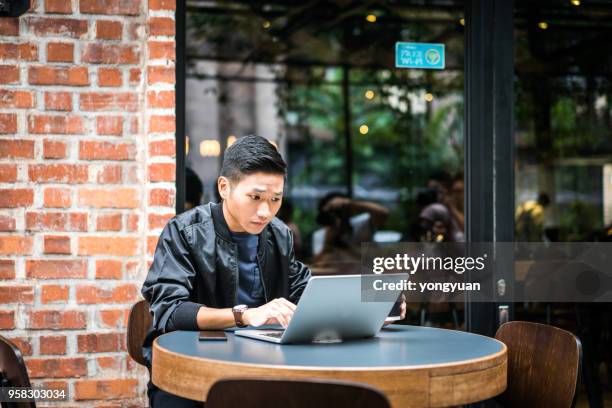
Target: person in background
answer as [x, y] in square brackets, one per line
[346, 223]
[529, 219]
[193, 189]
[286, 215]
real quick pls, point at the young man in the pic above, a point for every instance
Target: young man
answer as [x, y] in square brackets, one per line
[229, 264]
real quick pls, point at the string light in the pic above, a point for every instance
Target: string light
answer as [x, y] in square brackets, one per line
[364, 129]
[369, 94]
[210, 148]
[543, 25]
[428, 97]
[371, 18]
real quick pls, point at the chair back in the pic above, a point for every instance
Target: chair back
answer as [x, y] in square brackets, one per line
[139, 322]
[543, 365]
[302, 393]
[13, 372]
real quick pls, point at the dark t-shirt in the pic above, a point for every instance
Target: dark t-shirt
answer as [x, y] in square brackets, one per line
[250, 289]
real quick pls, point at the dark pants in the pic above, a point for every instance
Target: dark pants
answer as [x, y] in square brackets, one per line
[162, 399]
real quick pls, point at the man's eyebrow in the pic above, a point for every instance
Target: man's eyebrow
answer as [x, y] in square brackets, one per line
[263, 190]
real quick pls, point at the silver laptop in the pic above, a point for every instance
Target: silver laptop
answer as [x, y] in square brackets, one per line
[330, 310]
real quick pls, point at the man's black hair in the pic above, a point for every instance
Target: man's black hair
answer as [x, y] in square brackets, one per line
[251, 154]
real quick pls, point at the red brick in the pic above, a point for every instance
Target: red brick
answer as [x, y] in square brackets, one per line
[117, 246]
[109, 198]
[109, 363]
[105, 389]
[161, 197]
[65, 27]
[8, 123]
[71, 76]
[56, 269]
[94, 150]
[136, 31]
[57, 367]
[162, 50]
[9, 74]
[15, 245]
[53, 345]
[109, 30]
[113, 318]
[22, 52]
[157, 74]
[7, 320]
[162, 26]
[18, 197]
[56, 320]
[100, 343]
[17, 294]
[96, 53]
[161, 99]
[109, 77]
[8, 173]
[16, 99]
[109, 125]
[108, 269]
[12, 149]
[109, 175]
[162, 172]
[24, 344]
[58, 6]
[151, 244]
[92, 294]
[121, 7]
[54, 149]
[108, 222]
[57, 124]
[121, 102]
[60, 52]
[162, 5]
[7, 223]
[7, 269]
[57, 197]
[132, 222]
[135, 76]
[57, 244]
[58, 101]
[54, 293]
[159, 220]
[9, 26]
[56, 221]
[58, 173]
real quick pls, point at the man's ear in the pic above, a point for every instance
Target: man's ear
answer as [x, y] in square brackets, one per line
[223, 185]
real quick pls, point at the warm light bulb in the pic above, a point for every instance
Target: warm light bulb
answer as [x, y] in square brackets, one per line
[230, 140]
[462, 21]
[371, 18]
[266, 24]
[576, 2]
[428, 97]
[210, 148]
[543, 25]
[364, 129]
[369, 94]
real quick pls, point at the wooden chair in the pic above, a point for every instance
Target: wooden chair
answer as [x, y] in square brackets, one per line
[298, 393]
[138, 325]
[543, 365]
[13, 372]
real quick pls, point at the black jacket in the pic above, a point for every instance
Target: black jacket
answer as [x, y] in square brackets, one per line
[196, 261]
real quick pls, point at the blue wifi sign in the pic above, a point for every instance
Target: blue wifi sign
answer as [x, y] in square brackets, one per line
[419, 55]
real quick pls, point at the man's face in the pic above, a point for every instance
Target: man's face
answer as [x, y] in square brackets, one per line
[251, 203]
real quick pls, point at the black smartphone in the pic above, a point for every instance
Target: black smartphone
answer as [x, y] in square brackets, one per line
[215, 335]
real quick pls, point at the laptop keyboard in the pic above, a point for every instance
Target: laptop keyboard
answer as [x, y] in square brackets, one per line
[276, 335]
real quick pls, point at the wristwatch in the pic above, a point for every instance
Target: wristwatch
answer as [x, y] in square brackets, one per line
[238, 311]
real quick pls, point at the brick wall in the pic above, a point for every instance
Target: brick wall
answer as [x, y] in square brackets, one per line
[86, 184]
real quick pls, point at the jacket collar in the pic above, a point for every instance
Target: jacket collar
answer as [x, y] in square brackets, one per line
[221, 228]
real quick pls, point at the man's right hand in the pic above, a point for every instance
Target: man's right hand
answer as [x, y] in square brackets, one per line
[277, 311]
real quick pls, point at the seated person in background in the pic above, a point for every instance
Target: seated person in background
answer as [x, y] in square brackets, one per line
[193, 189]
[435, 225]
[346, 224]
[228, 264]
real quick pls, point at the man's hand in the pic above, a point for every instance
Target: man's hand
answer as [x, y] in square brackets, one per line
[402, 311]
[277, 311]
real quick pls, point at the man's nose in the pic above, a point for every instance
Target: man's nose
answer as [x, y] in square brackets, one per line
[263, 211]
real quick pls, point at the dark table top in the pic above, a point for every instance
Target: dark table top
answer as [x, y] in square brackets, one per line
[395, 346]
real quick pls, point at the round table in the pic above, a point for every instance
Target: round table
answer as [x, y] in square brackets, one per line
[414, 366]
